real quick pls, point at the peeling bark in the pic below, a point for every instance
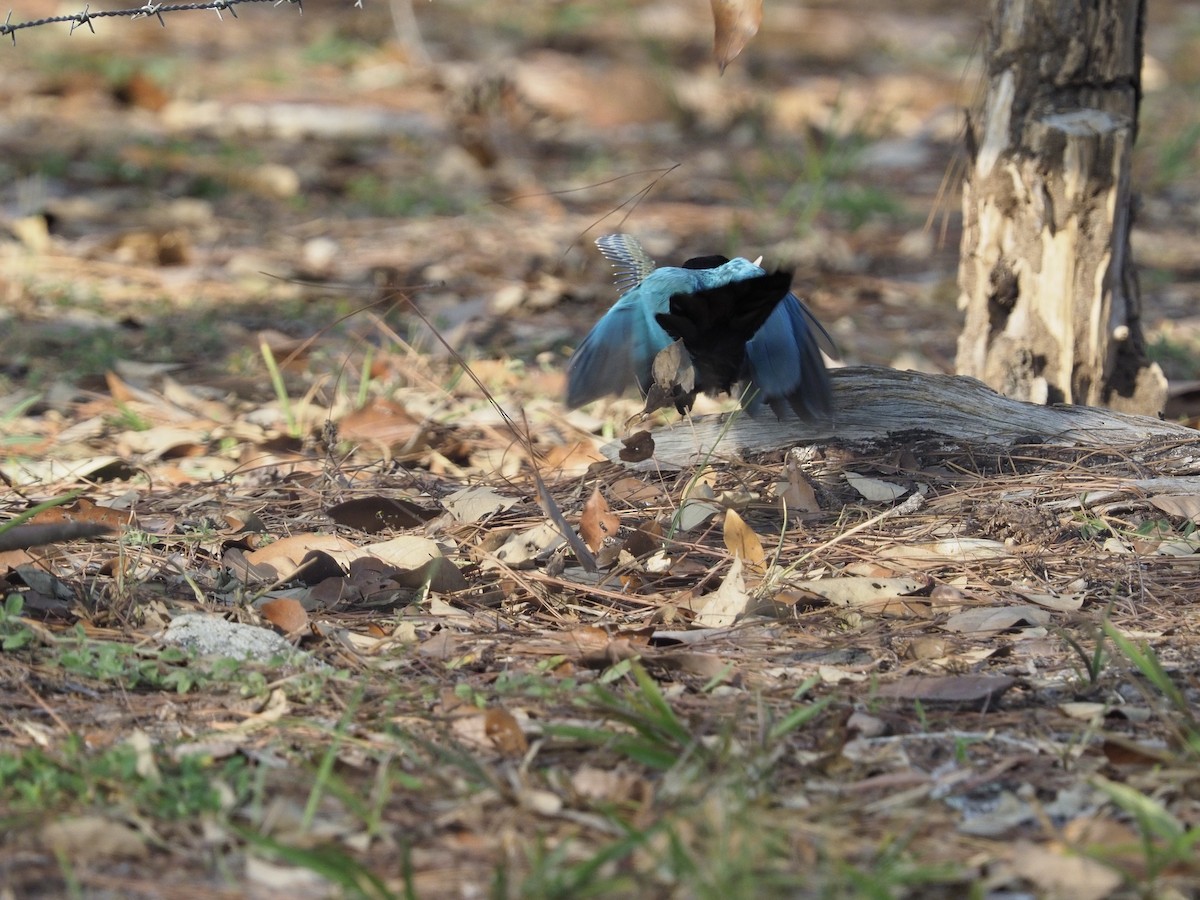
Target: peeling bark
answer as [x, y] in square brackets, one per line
[1053, 310]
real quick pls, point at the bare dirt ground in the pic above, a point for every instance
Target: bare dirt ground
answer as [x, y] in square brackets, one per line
[908, 668]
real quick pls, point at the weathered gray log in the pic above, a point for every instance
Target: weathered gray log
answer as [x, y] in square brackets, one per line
[878, 404]
[1053, 312]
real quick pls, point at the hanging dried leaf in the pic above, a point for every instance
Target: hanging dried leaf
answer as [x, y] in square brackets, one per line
[598, 521]
[740, 540]
[735, 22]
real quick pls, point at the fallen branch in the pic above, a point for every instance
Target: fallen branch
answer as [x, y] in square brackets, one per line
[874, 403]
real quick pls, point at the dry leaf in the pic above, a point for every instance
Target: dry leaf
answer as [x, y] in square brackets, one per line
[796, 494]
[741, 540]
[284, 556]
[372, 514]
[475, 503]
[859, 591]
[636, 492]
[722, 607]
[286, 614]
[991, 619]
[598, 521]
[875, 490]
[93, 838]
[937, 553]
[637, 447]
[967, 691]
[1186, 506]
[408, 551]
[383, 424]
[503, 730]
[735, 22]
[1064, 873]
[571, 460]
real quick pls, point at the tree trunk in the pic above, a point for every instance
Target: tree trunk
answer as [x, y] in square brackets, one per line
[1048, 283]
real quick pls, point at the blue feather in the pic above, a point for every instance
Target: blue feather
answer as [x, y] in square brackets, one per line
[781, 363]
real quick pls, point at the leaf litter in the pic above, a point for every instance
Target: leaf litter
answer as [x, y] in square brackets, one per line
[431, 671]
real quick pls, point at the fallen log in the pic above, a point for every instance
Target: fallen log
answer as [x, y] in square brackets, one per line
[874, 404]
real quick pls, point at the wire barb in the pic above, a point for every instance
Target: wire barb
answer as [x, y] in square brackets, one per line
[149, 8]
[83, 18]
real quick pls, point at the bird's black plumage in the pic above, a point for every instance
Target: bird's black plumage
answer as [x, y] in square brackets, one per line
[716, 323]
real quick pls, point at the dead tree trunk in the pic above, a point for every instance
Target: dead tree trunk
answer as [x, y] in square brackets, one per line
[1048, 283]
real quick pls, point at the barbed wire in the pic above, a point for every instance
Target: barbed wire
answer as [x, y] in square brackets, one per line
[10, 28]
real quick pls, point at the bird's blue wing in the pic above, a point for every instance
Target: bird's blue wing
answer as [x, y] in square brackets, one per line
[784, 363]
[619, 350]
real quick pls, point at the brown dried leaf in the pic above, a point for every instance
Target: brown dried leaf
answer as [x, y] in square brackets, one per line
[504, 732]
[284, 555]
[741, 540]
[372, 514]
[384, 424]
[286, 614]
[637, 447]
[82, 510]
[598, 521]
[635, 492]
[796, 494]
[735, 22]
[572, 460]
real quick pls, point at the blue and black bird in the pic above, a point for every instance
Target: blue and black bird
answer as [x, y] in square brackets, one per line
[738, 323]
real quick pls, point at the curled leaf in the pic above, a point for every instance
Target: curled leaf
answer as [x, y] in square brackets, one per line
[598, 521]
[735, 22]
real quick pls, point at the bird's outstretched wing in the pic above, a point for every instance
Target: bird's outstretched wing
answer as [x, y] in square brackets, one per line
[630, 261]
